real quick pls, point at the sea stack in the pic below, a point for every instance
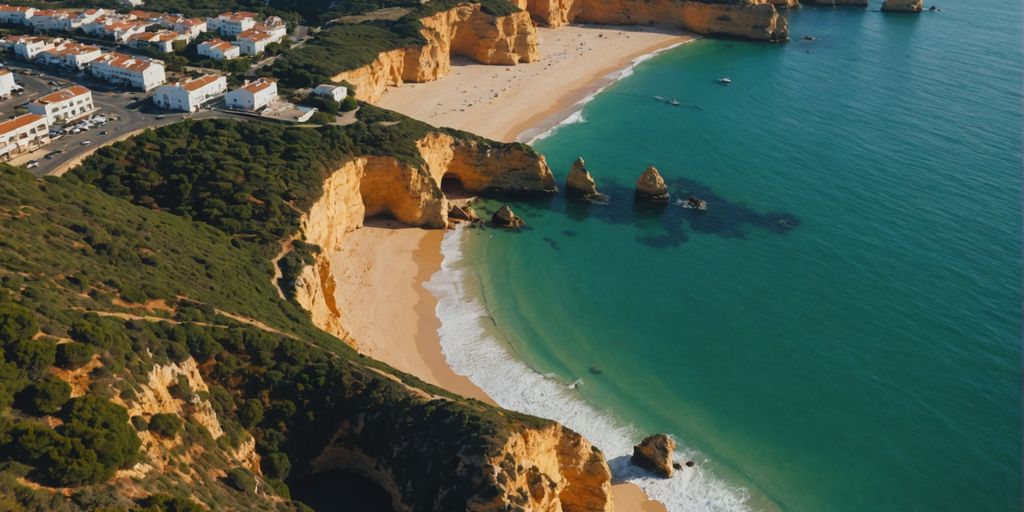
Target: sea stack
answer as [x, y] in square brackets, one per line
[903, 6]
[651, 186]
[654, 454]
[581, 184]
[854, 3]
[785, 4]
[506, 218]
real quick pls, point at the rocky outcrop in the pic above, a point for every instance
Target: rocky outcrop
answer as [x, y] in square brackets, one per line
[462, 213]
[785, 4]
[651, 186]
[580, 183]
[506, 218]
[546, 468]
[654, 454]
[376, 185]
[902, 6]
[748, 19]
[463, 31]
[838, 3]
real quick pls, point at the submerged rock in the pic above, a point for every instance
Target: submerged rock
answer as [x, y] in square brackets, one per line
[651, 186]
[506, 218]
[581, 184]
[654, 454]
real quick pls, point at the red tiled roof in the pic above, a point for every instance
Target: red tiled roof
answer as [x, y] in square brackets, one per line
[63, 95]
[19, 122]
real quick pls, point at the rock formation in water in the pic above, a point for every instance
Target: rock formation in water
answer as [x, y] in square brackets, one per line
[580, 183]
[462, 213]
[838, 3]
[506, 218]
[903, 6]
[654, 454]
[747, 19]
[651, 186]
[463, 31]
[785, 4]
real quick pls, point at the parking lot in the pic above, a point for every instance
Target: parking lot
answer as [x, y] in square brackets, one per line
[127, 112]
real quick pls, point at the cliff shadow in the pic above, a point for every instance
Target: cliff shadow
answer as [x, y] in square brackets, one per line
[340, 491]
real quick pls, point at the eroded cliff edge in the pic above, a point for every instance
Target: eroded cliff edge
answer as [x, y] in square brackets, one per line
[464, 31]
[531, 465]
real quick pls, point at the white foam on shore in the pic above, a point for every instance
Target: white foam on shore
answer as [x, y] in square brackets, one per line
[576, 114]
[490, 363]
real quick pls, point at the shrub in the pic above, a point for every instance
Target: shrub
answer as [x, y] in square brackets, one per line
[45, 397]
[250, 413]
[165, 425]
[32, 356]
[242, 479]
[16, 323]
[276, 465]
[73, 355]
[165, 503]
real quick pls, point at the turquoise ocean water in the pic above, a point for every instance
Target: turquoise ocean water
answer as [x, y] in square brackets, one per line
[842, 330]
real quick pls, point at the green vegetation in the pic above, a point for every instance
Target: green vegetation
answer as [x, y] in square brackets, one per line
[148, 255]
[165, 425]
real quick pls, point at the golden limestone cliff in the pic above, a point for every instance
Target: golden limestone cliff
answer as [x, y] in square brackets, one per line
[543, 468]
[903, 6]
[539, 466]
[411, 193]
[463, 31]
[748, 19]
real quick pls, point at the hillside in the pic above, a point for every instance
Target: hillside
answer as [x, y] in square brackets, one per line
[150, 362]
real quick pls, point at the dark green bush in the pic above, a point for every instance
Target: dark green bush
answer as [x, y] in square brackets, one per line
[73, 355]
[165, 424]
[242, 479]
[276, 465]
[45, 396]
[32, 356]
[16, 323]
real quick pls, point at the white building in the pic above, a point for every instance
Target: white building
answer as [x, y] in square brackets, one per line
[7, 84]
[62, 20]
[255, 41]
[70, 55]
[64, 105]
[334, 92]
[253, 95]
[27, 47]
[230, 24]
[189, 96]
[15, 14]
[22, 134]
[188, 27]
[218, 49]
[137, 72]
[162, 40]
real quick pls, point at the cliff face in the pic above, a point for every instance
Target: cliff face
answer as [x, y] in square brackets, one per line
[374, 185]
[538, 468]
[749, 19]
[463, 31]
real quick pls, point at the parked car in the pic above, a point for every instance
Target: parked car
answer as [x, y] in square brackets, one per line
[32, 164]
[104, 132]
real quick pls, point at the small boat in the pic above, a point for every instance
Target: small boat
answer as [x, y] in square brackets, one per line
[674, 103]
[692, 203]
[725, 80]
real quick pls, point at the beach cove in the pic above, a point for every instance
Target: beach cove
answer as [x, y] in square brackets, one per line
[775, 361]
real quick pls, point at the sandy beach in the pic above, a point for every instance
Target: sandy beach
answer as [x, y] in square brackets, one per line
[381, 268]
[507, 103]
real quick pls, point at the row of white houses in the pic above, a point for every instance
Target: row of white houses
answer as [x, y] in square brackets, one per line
[28, 132]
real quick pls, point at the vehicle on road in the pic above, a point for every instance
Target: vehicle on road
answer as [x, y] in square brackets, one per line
[32, 164]
[51, 154]
[85, 142]
[104, 132]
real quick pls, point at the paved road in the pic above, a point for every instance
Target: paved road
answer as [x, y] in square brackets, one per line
[129, 111]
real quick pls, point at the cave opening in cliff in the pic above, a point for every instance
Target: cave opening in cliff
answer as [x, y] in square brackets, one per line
[453, 188]
[338, 490]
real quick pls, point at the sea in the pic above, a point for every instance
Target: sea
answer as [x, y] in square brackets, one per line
[840, 330]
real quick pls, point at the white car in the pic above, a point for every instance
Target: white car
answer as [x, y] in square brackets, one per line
[32, 163]
[86, 142]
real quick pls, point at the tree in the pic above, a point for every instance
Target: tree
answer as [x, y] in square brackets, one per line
[46, 396]
[250, 413]
[73, 355]
[16, 323]
[242, 479]
[165, 425]
[32, 356]
[276, 465]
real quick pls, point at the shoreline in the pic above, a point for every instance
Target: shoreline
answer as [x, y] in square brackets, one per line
[508, 103]
[387, 264]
